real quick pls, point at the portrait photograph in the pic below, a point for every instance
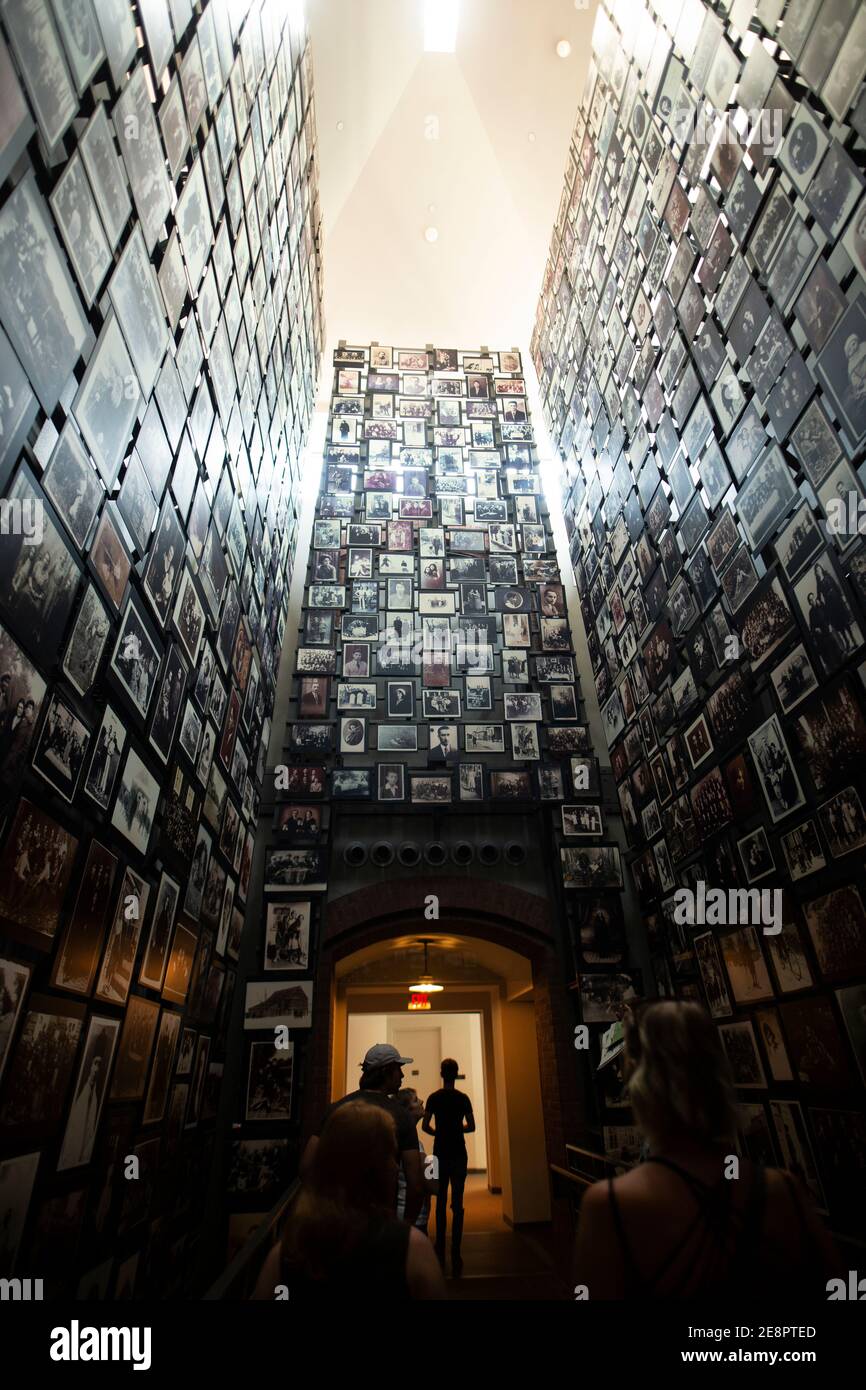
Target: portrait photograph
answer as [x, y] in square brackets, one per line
[14, 979]
[829, 619]
[108, 747]
[39, 575]
[89, 1093]
[287, 936]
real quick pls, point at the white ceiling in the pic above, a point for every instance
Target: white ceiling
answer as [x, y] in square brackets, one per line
[451, 130]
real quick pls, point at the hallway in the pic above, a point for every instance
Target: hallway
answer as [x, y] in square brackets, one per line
[499, 1263]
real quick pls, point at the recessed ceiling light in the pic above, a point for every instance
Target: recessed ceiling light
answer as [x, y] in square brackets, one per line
[440, 26]
[340, 125]
[531, 137]
[563, 48]
[432, 234]
[431, 207]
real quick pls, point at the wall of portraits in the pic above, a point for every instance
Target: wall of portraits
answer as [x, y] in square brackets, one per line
[435, 673]
[160, 334]
[700, 341]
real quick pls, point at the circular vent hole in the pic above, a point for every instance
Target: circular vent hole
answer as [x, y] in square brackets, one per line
[435, 853]
[489, 854]
[355, 855]
[382, 853]
[514, 853]
[462, 853]
[409, 854]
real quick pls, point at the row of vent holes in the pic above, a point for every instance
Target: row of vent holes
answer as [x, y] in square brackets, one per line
[409, 854]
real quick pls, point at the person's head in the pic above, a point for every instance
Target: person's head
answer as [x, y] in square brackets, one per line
[355, 1164]
[382, 1069]
[448, 1070]
[409, 1099]
[679, 1080]
[443, 733]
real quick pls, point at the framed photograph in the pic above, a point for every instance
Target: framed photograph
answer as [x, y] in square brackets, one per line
[105, 759]
[89, 1093]
[83, 651]
[591, 866]
[38, 581]
[180, 963]
[838, 370]
[168, 705]
[35, 868]
[796, 1147]
[352, 783]
[299, 824]
[738, 1041]
[712, 975]
[189, 617]
[400, 738]
[107, 402]
[42, 1064]
[76, 215]
[109, 560]
[356, 695]
[828, 616]
[136, 1045]
[269, 1004]
[843, 823]
[136, 802]
[604, 998]
[14, 979]
[62, 747]
[815, 1044]
[269, 1082]
[779, 782]
[765, 497]
[765, 621]
[287, 936]
[295, 870]
[470, 781]
[130, 910]
[582, 820]
[136, 658]
[164, 562]
[744, 962]
[391, 782]
[429, 789]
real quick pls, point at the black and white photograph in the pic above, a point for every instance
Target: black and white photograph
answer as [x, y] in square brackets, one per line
[287, 936]
[89, 1093]
[61, 751]
[130, 911]
[270, 1004]
[843, 823]
[136, 802]
[828, 616]
[841, 369]
[591, 866]
[776, 771]
[738, 1041]
[76, 215]
[765, 497]
[269, 1082]
[108, 746]
[429, 790]
[136, 658]
[39, 575]
[87, 639]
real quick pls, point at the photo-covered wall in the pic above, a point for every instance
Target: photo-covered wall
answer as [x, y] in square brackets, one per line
[700, 342]
[160, 335]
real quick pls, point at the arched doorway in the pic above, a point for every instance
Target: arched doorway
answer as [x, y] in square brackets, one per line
[533, 1088]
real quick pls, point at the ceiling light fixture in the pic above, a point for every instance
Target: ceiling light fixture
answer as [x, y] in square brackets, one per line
[531, 137]
[440, 26]
[425, 985]
[339, 125]
[432, 234]
[563, 48]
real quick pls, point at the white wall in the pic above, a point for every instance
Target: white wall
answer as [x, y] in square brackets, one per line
[461, 1039]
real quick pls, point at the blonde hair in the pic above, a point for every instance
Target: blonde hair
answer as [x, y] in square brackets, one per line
[679, 1079]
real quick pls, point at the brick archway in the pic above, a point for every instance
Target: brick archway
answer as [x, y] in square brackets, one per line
[513, 918]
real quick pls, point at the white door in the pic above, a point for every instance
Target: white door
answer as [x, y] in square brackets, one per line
[424, 1045]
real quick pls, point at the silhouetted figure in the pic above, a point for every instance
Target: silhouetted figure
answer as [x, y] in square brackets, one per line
[689, 1222]
[452, 1111]
[342, 1240]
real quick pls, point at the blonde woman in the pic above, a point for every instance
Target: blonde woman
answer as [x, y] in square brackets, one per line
[687, 1222]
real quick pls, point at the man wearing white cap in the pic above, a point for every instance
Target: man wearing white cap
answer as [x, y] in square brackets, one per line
[381, 1079]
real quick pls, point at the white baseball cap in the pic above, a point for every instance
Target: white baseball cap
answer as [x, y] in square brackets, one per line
[384, 1055]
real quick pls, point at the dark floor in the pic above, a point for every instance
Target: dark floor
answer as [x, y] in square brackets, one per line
[498, 1261]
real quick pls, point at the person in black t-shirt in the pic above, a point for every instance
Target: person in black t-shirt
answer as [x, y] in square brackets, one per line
[381, 1079]
[452, 1111]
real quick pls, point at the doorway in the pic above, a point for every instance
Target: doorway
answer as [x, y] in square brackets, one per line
[427, 1039]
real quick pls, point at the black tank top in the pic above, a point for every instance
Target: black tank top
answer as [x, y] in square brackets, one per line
[376, 1265]
[722, 1249]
